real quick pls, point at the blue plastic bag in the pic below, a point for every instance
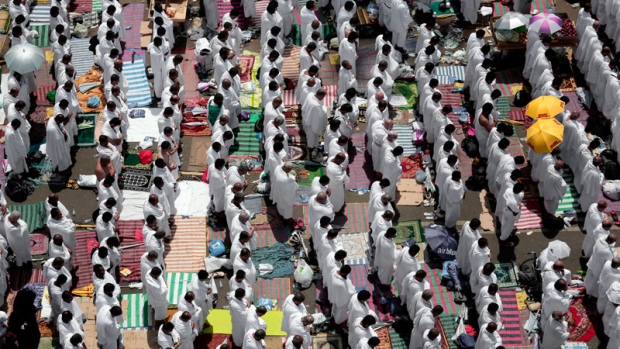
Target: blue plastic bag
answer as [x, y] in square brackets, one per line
[216, 248]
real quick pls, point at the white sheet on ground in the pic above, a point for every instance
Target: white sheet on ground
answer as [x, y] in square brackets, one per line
[144, 127]
[192, 198]
[133, 205]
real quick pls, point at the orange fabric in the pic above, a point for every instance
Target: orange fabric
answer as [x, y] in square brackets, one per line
[83, 99]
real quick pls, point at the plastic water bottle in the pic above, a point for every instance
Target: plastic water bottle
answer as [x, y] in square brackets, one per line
[73, 212]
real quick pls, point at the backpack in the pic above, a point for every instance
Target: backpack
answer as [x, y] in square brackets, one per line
[18, 190]
[466, 341]
[470, 146]
[522, 98]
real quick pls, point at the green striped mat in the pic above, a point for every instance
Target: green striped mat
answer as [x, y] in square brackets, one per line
[570, 199]
[32, 214]
[137, 314]
[246, 142]
[503, 107]
[97, 6]
[177, 286]
[399, 340]
[448, 325]
[44, 39]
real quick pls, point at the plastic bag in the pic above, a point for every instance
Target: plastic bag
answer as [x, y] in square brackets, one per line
[303, 274]
[87, 181]
[80, 31]
[213, 263]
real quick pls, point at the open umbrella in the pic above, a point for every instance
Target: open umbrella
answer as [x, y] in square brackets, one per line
[441, 242]
[24, 58]
[546, 23]
[545, 135]
[559, 249]
[544, 107]
[512, 20]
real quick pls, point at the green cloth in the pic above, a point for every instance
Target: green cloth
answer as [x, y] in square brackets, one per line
[86, 130]
[33, 214]
[307, 173]
[246, 140]
[278, 256]
[214, 112]
[410, 91]
[132, 159]
[435, 8]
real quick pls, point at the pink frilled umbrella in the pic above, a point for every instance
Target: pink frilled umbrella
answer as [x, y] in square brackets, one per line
[545, 23]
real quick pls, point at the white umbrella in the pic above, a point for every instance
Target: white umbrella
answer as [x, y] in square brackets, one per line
[559, 249]
[512, 20]
[24, 58]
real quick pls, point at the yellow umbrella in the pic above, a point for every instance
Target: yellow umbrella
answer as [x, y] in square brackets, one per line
[544, 135]
[544, 107]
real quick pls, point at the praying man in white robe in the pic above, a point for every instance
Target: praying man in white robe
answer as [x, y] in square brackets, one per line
[283, 189]
[337, 178]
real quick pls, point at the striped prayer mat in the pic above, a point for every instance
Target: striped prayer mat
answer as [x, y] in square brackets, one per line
[503, 107]
[354, 220]
[224, 7]
[329, 71]
[524, 316]
[83, 59]
[448, 97]
[42, 91]
[137, 315]
[575, 105]
[246, 141]
[499, 9]
[131, 256]
[260, 6]
[33, 214]
[571, 197]
[133, 14]
[97, 6]
[365, 61]
[177, 285]
[399, 340]
[359, 277]
[361, 173]
[139, 89]
[405, 138]
[507, 80]
[278, 288]
[445, 80]
[82, 257]
[441, 295]
[82, 6]
[43, 30]
[512, 331]
[446, 323]
[518, 115]
[531, 217]
[290, 67]
[289, 99]
[455, 71]
[542, 6]
[40, 14]
[187, 249]
[189, 75]
[357, 248]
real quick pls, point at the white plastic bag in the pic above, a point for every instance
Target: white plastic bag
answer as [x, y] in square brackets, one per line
[213, 263]
[303, 274]
[87, 181]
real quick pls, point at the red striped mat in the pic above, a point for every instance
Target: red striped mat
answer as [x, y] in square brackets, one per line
[290, 68]
[448, 97]
[189, 75]
[42, 91]
[266, 236]
[81, 6]
[81, 258]
[261, 6]
[133, 14]
[512, 332]
[224, 7]
[131, 256]
[278, 288]
[531, 217]
[188, 248]
[361, 172]
[354, 220]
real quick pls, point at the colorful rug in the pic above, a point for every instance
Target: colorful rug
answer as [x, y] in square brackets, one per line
[361, 172]
[136, 179]
[139, 94]
[187, 250]
[499, 9]
[252, 100]
[570, 200]
[246, 141]
[512, 333]
[276, 289]
[224, 7]
[307, 173]
[441, 294]
[503, 107]
[359, 277]
[357, 247]
[133, 14]
[507, 81]
[39, 244]
[295, 33]
[366, 57]
[568, 85]
[411, 164]
[447, 327]
[506, 275]
[137, 314]
[82, 59]
[524, 316]
[177, 285]
[582, 330]
[195, 130]
[406, 230]
[247, 64]
[33, 214]
[449, 97]
[329, 71]
[131, 256]
[43, 39]
[405, 138]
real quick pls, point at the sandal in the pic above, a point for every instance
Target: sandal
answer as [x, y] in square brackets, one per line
[614, 216]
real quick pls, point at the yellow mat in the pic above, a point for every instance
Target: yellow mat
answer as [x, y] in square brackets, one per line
[221, 322]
